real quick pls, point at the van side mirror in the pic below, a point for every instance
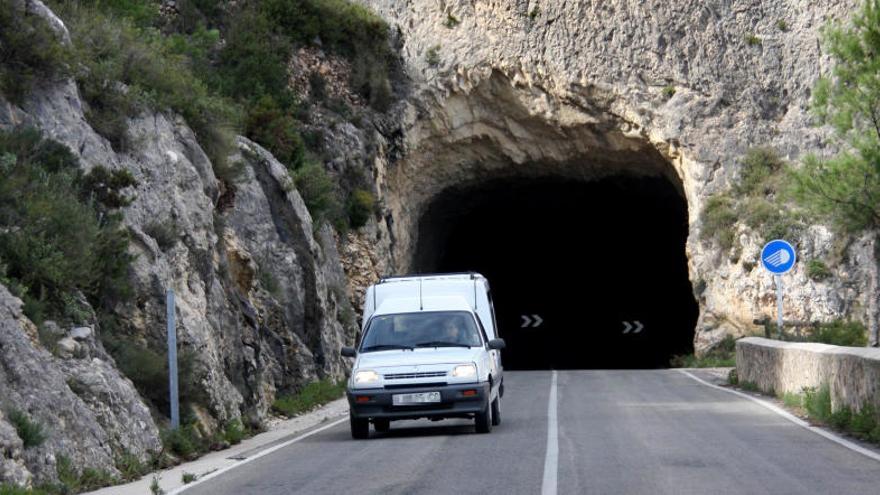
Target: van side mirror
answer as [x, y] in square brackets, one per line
[348, 352]
[497, 344]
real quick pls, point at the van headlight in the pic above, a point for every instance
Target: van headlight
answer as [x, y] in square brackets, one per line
[464, 371]
[366, 376]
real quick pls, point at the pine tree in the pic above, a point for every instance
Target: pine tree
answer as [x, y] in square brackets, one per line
[844, 189]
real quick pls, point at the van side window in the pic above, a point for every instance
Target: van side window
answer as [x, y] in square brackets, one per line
[482, 330]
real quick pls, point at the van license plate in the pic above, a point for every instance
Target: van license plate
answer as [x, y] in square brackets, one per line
[415, 399]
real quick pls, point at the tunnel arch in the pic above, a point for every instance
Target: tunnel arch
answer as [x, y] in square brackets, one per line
[499, 134]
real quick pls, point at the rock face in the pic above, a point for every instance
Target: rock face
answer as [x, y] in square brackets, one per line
[88, 412]
[595, 88]
[261, 296]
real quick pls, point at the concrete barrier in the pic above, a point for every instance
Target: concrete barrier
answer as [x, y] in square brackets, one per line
[775, 367]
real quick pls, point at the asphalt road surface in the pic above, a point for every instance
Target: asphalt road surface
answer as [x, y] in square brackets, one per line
[626, 432]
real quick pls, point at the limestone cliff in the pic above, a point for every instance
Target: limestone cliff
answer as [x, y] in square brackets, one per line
[592, 88]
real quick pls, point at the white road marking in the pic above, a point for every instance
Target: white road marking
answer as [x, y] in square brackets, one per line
[254, 457]
[794, 419]
[551, 459]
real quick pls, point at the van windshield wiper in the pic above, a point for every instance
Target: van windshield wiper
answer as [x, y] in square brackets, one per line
[379, 347]
[441, 343]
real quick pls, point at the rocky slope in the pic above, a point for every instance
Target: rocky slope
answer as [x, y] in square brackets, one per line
[261, 297]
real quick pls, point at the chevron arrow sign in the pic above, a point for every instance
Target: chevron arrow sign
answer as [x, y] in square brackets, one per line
[634, 327]
[531, 321]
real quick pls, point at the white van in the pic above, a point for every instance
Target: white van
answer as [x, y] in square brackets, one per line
[428, 348]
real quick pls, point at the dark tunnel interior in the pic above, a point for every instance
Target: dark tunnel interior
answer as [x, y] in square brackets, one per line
[585, 275]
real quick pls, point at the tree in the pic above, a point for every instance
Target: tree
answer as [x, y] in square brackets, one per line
[845, 189]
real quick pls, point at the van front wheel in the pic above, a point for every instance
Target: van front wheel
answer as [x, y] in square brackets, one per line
[360, 427]
[483, 419]
[496, 411]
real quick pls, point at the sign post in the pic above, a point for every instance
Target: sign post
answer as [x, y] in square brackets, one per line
[172, 359]
[778, 258]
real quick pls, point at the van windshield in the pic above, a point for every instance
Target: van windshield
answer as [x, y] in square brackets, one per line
[429, 329]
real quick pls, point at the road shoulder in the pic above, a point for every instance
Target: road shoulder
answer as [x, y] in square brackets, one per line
[281, 433]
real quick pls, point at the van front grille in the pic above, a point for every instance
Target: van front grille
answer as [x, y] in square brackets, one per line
[409, 376]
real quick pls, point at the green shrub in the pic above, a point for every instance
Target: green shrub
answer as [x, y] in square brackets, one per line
[817, 270]
[733, 377]
[187, 478]
[29, 431]
[165, 233]
[432, 56]
[841, 332]
[130, 466]
[668, 91]
[719, 219]
[792, 400]
[7, 489]
[272, 126]
[114, 50]
[155, 488]
[312, 395]
[451, 21]
[345, 28]
[72, 480]
[234, 432]
[318, 191]
[64, 240]
[752, 39]
[817, 402]
[186, 442]
[361, 207]
[863, 422]
[758, 170]
[30, 51]
[269, 282]
[782, 25]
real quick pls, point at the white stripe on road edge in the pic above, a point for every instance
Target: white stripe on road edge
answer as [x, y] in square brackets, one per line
[551, 460]
[794, 419]
[254, 457]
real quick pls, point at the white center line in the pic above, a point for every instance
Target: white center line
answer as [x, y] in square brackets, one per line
[551, 460]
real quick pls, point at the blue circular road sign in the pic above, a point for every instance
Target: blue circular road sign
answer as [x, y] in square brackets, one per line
[778, 257]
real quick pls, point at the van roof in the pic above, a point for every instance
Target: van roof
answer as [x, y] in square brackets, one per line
[433, 303]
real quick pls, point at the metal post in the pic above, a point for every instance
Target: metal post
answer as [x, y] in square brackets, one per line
[778, 305]
[172, 359]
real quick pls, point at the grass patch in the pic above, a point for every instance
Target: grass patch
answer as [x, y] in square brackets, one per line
[668, 91]
[817, 270]
[782, 25]
[721, 356]
[31, 432]
[792, 400]
[131, 467]
[751, 39]
[71, 480]
[312, 395]
[187, 478]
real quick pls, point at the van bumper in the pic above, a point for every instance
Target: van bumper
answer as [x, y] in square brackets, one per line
[453, 403]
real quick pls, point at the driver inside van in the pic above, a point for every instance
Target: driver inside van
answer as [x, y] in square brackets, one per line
[456, 330]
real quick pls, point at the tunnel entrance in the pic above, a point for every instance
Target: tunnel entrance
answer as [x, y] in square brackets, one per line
[584, 274]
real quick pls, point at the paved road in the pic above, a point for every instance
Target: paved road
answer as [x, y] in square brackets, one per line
[626, 432]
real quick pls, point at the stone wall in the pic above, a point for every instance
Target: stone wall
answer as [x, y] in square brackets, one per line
[852, 373]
